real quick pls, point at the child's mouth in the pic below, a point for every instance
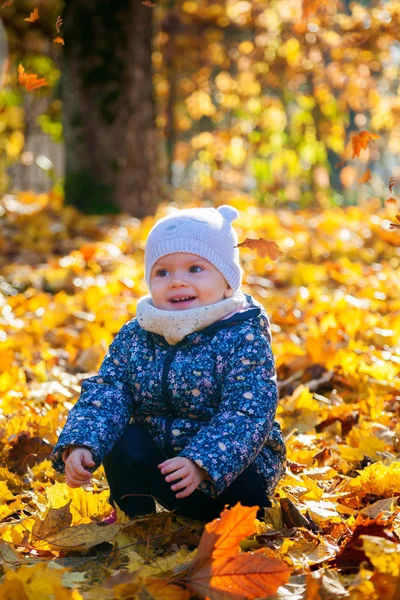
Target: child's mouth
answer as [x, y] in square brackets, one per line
[181, 300]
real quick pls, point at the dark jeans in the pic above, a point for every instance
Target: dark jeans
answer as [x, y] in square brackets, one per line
[131, 468]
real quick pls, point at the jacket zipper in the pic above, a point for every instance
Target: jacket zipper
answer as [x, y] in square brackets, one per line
[164, 382]
[166, 367]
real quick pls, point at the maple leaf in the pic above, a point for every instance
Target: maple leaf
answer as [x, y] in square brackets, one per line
[222, 536]
[244, 576]
[391, 184]
[360, 141]
[366, 177]
[33, 16]
[219, 568]
[58, 23]
[263, 247]
[30, 80]
[59, 40]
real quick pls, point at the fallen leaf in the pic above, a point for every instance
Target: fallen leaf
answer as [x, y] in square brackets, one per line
[160, 589]
[222, 536]
[263, 247]
[244, 576]
[59, 40]
[53, 521]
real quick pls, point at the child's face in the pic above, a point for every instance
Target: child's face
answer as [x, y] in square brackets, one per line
[181, 281]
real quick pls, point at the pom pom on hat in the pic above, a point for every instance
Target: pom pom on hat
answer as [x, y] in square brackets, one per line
[206, 232]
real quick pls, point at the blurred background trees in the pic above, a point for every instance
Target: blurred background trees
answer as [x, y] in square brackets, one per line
[256, 102]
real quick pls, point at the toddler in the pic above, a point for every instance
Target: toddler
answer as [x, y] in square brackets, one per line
[182, 410]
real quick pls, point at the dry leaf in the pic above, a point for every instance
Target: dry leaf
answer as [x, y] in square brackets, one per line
[33, 16]
[59, 40]
[244, 576]
[263, 247]
[391, 200]
[30, 80]
[391, 184]
[222, 536]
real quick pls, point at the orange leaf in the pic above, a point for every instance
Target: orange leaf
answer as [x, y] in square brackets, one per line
[244, 576]
[59, 40]
[222, 536]
[391, 184]
[58, 23]
[391, 200]
[366, 177]
[263, 247]
[160, 589]
[30, 80]
[360, 141]
[33, 16]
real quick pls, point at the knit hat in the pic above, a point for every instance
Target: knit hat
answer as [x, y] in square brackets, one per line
[206, 232]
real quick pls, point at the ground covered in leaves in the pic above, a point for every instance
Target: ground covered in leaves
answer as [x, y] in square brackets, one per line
[68, 283]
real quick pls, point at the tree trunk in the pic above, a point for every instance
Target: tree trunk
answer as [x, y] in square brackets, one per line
[109, 112]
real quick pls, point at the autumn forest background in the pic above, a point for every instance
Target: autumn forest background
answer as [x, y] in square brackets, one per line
[113, 114]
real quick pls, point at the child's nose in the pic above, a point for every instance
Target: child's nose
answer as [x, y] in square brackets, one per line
[178, 281]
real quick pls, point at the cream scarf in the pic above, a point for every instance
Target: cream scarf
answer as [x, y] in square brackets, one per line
[174, 325]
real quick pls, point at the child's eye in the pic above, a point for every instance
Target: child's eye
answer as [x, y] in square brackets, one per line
[196, 269]
[162, 273]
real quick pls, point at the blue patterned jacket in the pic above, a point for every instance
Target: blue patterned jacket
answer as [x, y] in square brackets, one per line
[211, 398]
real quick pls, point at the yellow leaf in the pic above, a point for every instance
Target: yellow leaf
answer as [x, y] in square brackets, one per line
[378, 479]
[85, 506]
[384, 554]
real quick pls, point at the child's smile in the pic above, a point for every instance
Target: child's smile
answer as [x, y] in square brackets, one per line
[181, 281]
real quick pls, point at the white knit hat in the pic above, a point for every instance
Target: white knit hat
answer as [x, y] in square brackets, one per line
[206, 232]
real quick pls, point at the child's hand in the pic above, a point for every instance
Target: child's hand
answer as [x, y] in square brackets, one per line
[184, 469]
[75, 474]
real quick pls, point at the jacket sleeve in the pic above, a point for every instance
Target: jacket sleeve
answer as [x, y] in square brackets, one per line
[231, 440]
[103, 410]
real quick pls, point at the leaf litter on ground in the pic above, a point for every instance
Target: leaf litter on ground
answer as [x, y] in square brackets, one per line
[333, 528]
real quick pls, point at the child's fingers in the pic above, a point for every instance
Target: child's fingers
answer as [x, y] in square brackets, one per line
[182, 484]
[172, 465]
[189, 490]
[179, 474]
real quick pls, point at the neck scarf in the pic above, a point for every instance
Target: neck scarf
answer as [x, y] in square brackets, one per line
[174, 325]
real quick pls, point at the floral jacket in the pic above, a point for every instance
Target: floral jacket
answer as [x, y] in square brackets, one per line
[212, 398]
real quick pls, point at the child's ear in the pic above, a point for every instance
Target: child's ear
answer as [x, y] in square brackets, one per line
[228, 293]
